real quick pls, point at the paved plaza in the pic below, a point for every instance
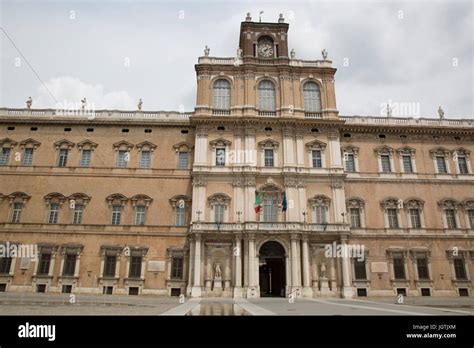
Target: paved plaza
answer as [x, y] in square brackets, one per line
[65, 304]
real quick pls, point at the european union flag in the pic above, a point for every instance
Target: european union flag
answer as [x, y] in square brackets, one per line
[283, 203]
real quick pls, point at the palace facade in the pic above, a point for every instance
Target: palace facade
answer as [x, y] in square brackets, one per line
[249, 195]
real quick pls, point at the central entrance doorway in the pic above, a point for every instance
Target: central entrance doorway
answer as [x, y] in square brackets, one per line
[272, 276]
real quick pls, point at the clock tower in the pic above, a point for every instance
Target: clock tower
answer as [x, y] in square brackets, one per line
[264, 40]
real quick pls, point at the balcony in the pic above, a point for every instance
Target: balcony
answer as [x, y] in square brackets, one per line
[267, 113]
[91, 115]
[407, 121]
[221, 112]
[309, 114]
[272, 227]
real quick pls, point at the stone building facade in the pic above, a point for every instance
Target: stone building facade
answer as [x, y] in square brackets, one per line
[262, 190]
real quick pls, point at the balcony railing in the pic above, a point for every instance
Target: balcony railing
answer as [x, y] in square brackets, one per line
[407, 121]
[221, 112]
[309, 114]
[268, 227]
[267, 113]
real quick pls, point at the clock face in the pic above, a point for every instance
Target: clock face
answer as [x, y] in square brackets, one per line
[265, 50]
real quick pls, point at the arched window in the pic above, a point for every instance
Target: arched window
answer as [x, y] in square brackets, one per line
[266, 96]
[222, 95]
[312, 97]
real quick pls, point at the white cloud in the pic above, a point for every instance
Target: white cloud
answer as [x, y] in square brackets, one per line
[68, 92]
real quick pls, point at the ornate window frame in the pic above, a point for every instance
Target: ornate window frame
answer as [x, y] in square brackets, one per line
[468, 204]
[28, 144]
[119, 146]
[220, 143]
[449, 203]
[407, 151]
[45, 279]
[75, 199]
[140, 200]
[353, 150]
[86, 145]
[361, 283]
[270, 110]
[418, 253]
[391, 253]
[135, 282]
[116, 199]
[440, 152]
[392, 203]
[9, 144]
[145, 146]
[17, 197]
[225, 110]
[462, 152]
[183, 147]
[414, 203]
[219, 198]
[54, 198]
[63, 145]
[356, 203]
[320, 201]
[268, 144]
[319, 146]
[186, 202]
[385, 150]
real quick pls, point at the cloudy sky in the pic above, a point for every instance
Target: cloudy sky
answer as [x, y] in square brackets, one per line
[419, 53]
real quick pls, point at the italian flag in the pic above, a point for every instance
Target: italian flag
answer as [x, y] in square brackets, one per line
[258, 201]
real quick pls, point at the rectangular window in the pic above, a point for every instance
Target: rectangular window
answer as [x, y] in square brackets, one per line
[470, 214]
[44, 263]
[122, 158]
[27, 157]
[269, 161]
[5, 156]
[180, 216]
[182, 160]
[177, 268]
[349, 162]
[441, 163]
[385, 160]
[140, 212]
[360, 271]
[145, 159]
[320, 214]
[398, 267]
[415, 218]
[135, 267]
[16, 214]
[110, 262]
[422, 267]
[317, 159]
[451, 218]
[69, 264]
[459, 268]
[78, 213]
[5, 265]
[62, 158]
[85, 158]
[270, 208]
[462, 165]
[116, 214]
[407, 165]
[219, 213]
[392, 218]
[53, 213]
[220, 157]
[355, 217]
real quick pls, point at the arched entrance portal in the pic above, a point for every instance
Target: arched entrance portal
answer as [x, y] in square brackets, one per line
[272, 276]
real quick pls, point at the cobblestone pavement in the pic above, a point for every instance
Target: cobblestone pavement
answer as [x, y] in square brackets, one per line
[60, 304]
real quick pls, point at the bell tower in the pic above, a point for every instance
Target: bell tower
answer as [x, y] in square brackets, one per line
[264, 40]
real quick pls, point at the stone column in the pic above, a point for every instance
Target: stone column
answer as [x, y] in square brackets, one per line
[237, 252]
[335, 151]
[208, 275]
[338, 197]
[196, 289]
[252, 288]
[192, 248]
[306, 281]
[295, 261]
[300, 151]
[346, 269]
